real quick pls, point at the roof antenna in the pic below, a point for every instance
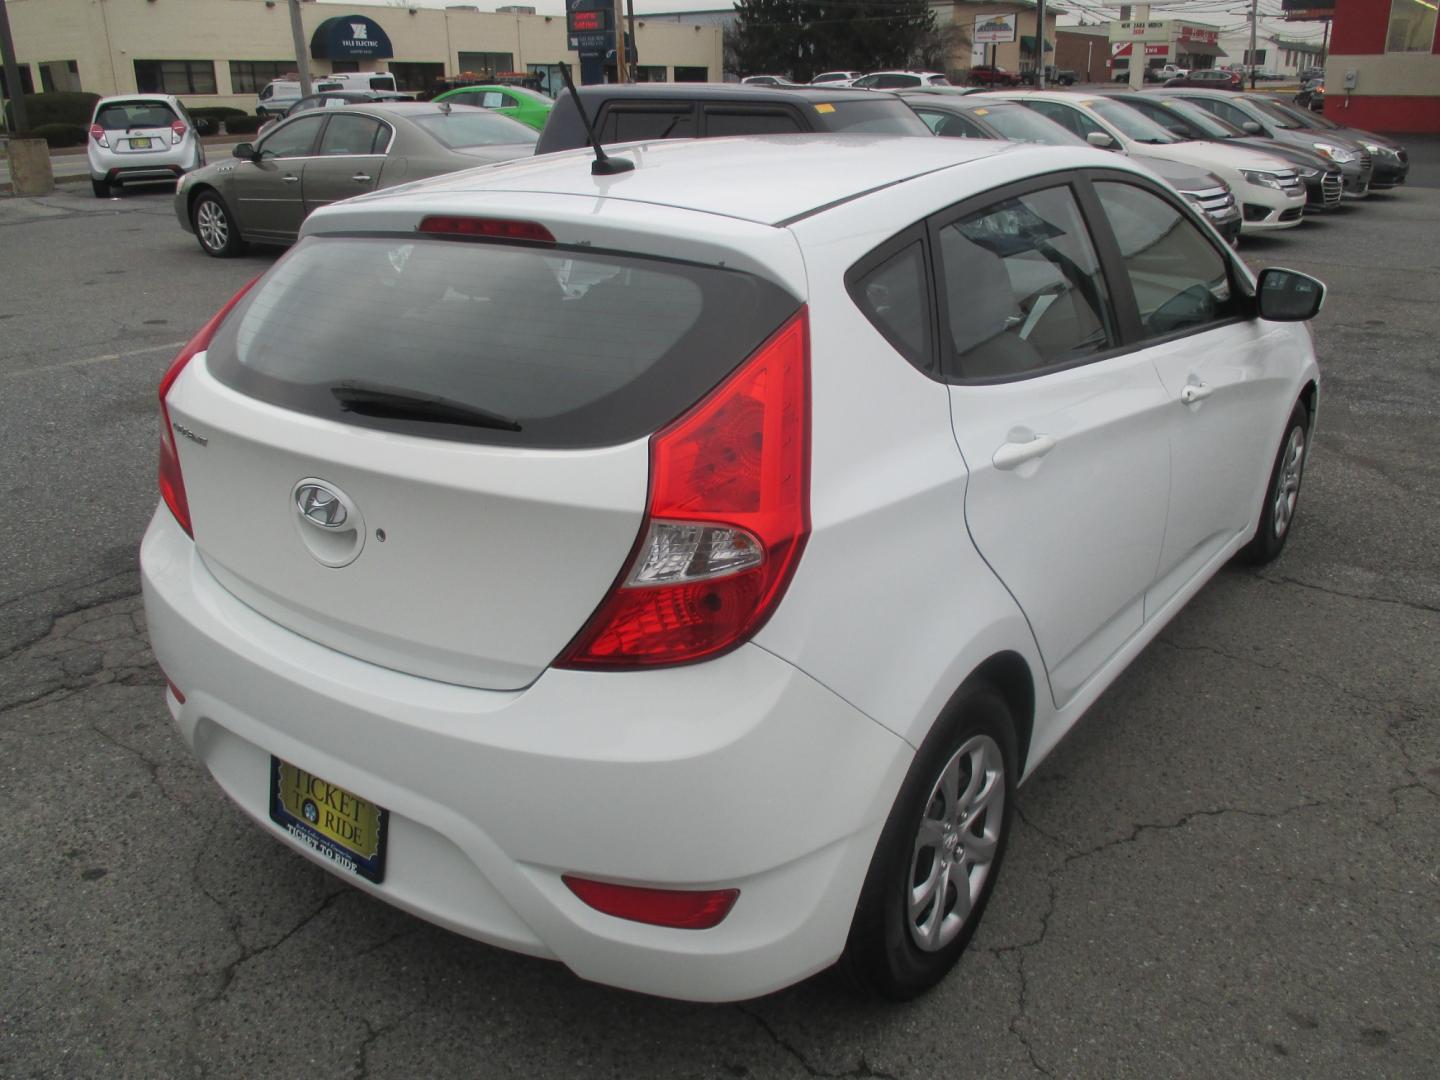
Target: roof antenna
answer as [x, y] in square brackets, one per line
[604, 164]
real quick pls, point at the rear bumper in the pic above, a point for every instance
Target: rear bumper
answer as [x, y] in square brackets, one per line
[737, 773]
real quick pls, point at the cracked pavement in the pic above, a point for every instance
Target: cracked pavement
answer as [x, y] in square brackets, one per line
[1229, 868]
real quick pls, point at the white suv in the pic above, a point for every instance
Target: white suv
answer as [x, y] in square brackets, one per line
[675, 572]
[137, 138]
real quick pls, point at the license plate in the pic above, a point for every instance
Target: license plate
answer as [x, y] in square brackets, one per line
[328, 820]
[139, 144]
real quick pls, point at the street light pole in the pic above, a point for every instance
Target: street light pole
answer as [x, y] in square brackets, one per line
[1254, 12]
[302, 61]
[12, 73]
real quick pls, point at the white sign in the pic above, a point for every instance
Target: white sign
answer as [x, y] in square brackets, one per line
[994, 29]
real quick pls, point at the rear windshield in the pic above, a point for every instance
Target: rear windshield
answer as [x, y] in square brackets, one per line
[1020, 124]
[478, 128]
[120, 115]
[882, 115]
[576, 348]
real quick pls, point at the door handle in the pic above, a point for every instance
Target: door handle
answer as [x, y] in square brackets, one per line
[1190, 393]
[360, 177]
[290, 178]
[1012, 455]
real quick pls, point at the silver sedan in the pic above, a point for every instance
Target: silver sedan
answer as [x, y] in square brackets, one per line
[263, 191]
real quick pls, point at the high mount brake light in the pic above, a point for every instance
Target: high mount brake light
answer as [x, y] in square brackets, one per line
[728, 518]
[172, 483]
[681, 909]
[489, 228]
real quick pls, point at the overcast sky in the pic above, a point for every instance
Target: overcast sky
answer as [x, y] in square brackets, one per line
[1225, 14]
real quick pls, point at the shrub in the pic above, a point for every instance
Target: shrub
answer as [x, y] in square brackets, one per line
[56, 135]
[242, 125]
[59, 107]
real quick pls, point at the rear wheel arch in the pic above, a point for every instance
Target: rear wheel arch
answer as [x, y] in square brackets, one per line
[1309, 395]
[1011, 677]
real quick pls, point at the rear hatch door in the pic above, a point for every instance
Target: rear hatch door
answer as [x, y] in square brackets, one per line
[432, 453]
[137, 127]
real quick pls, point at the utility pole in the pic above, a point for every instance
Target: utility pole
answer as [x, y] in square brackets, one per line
[1254, 13]
[619, 19]
[1137, 46]
[1040, 42]
[1325, 44]
[12, 73]
[630, 18]
[302, 60]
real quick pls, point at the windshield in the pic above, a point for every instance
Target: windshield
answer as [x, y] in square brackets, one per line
[479, 128]
[880, 115]
[1210, 125]
[1276, 116]
[1019, 124]
[1131, 123]
[1293, 115]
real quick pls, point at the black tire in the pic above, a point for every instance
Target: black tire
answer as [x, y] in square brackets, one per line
[882, 955]
[1277, 523]
[101, 188]
[214, 226]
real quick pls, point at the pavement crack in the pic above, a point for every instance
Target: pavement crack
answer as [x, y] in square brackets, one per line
[1415, 605]
[862, 1071]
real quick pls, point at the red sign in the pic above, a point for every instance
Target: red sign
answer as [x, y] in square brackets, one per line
[1120, 48]
[582, 22]
[1157, 50]
[1198, 35]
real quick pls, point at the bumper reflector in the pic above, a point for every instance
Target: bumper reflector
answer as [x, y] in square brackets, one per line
[681, 909]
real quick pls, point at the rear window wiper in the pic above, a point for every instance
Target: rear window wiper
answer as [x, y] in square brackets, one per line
[384, 402]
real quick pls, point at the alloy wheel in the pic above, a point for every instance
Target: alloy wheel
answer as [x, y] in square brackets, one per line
[212, 225]
[955, 845]
[1287, 481]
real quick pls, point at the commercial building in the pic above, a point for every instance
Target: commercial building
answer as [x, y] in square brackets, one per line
[222, 52]
[998, 33]
[1275, 51]
[1162, 41]
[1084, 50]
[1382, 72]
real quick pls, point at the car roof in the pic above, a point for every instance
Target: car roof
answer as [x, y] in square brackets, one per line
[719, 91]
[768, 179]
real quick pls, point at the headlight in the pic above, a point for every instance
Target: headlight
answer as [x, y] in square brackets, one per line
[1335, 153]
[1308, 174]
[1264, 179]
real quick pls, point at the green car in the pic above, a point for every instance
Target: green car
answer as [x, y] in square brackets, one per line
[527, 106]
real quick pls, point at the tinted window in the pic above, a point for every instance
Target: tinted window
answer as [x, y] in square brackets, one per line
[382, 82]
[719, 122]
[293, 138]
[1181, 281]
[879, 114]
[1072, 120]
[1224, 110]
[625, 124]
[349, 134]
[1133, 124]
[1022, 286]
[580, 350]
[459, 129]
[948, 125]
[1022, 125]
[896, 298]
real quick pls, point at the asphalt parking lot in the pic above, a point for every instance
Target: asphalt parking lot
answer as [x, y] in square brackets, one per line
[1230, 867]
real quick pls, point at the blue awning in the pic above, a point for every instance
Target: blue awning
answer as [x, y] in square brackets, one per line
[350, 37]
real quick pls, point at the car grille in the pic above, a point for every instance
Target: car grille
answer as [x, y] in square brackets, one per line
[1216, 202]
[1332, 184]
[1367, 166]
[1290, 182]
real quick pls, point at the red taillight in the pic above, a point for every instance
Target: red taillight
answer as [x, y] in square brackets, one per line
[681, 909]
[177, 131]
[729, 515]
[492, 228]
[172, 483]
[98, 134]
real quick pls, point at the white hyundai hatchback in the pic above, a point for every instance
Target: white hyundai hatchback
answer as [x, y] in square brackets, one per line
[674, 573]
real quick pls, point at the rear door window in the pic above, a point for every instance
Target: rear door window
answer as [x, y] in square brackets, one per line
[575, 348]
[350, 134]
[628, 123]
[720, 121]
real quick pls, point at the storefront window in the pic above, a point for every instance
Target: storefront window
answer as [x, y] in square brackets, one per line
[487, 63]
[175, 76]
[649, 72]
[252, 76]
[416, 77]
[551, 80]
[1412, 26]
[691, 74]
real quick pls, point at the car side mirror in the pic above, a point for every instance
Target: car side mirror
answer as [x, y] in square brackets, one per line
[1250, 127]
[244, 150]
[1100, 139]
[1289, 296]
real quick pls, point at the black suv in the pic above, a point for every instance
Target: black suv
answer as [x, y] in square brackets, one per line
[629, 113]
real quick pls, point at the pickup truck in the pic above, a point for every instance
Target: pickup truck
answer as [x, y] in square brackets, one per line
[992, 75]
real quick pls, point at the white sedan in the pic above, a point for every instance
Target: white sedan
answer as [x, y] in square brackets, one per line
[675, 572]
